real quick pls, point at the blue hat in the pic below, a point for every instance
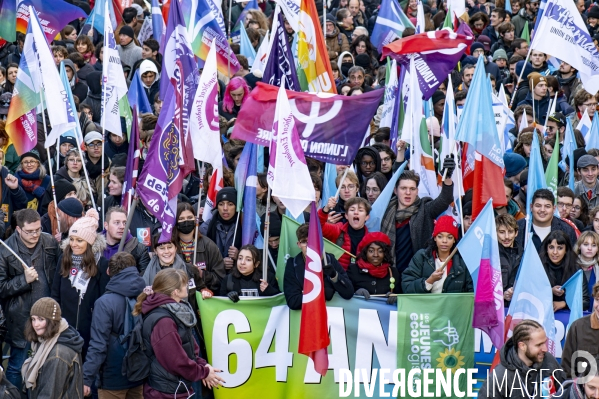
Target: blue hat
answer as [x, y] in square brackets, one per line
[527, 69]
[514, 163]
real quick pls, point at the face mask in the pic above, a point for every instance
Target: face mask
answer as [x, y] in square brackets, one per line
[186, 227]
[345, 67]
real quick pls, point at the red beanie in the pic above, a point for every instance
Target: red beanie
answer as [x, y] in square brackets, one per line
[373, 237]
[446, 224]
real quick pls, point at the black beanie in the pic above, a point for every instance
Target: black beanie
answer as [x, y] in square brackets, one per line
[127, 30]
[227, 194]
[62, 188]
[274, 230]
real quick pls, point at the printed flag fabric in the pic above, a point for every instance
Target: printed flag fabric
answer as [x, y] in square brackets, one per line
[552, 168]
[114, 83]
[158, 25]
[76, 131]
[280, 64]
[315, 74]
[532, 301]
[584, 125]
[573, 288]
[52, 21]
[390, 24]
[477, 127]
[132, 164]
[435, 54]
[592, 139]
[480, 250]
[245, 182]
[314, 331]
[561, 30]
[287, 159]
[391, 94]
[21, 122]
[137, 95]
[8, 16]
[245, 46]
[331, 128]
[439, 325]
[536, 173]
[262, 55]
[96, 18]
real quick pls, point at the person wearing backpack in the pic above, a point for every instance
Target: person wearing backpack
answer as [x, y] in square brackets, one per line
[168, 339]
[111, 323]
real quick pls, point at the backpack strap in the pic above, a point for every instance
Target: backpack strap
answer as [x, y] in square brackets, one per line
[129, 321]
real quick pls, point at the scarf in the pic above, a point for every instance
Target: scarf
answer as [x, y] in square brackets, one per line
[586, 265]
[577, 391]
[405, 214]
[78, 278]
[40, 351]
[375, 271]
[154, 267]
[182, 311]
[30, 181]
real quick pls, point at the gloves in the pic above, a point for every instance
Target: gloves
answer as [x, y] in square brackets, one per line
[234, 296]
[329, 270]
[448, 166]
[391, 300]
[363, 292]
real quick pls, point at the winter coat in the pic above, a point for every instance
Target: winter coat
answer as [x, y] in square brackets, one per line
[556, 224]
[422, 223]
[209, 258]
[132, 246]
[521, 93]
[541, 107]
[231, 283]
[512, 372]
[337, 43]
[376, 157]
[34, 198]
[78, 312]
[509, 259]
[569, 86]
[563, 106]
[373, 285]
[490, 32]
[293, 285]
[15, 292]
[94, 97]
[222, 234]
[61, 375]
[12, 200]
[422, 266]
[130, 54]
[105, 354]
[142, 219]
[338, 233]
[520, 19]
[175, 353]
[111, 149]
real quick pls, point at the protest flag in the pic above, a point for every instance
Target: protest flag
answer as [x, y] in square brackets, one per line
[329, 187]
[76, 131]
[373, 224]
[573, 288]
[280, 64]
[288, 247]
[315, 73]
[8, 16]
[510, 121]
[536, 177]
[480, 251]
[391, 94]
[245, 183]
[569, 147]
[158, 25]
[584, 126]
[435, 54]
[245, 46]
[46, 11]
[21, 122]
[525, 33]
[262, 55]
[287, 159]
[132, 164]
[137, 95]
[592, 139]
[114, 85]
[554, 36]
[552, 168]
[390, 24]
[205, 129]
[236, 32]
[95, 19]
[314, 331]
[477, 127]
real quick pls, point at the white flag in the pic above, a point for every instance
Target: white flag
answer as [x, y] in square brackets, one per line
[113, 79]
[288, 175]
[391, 93]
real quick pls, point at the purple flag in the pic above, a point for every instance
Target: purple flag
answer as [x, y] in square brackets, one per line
[132, 163]
[280, 61]
[330, 127]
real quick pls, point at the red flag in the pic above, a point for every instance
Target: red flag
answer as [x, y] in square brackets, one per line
[314, 331]
[488, 183]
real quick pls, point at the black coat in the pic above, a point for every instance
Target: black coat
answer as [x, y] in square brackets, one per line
[422, 266]
[374, 285]
[231, 283]
[509, 258]
[293, 283]
[79, 315]
[105, 354]
[15, 292]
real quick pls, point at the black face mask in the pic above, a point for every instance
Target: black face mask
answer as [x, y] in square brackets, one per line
[345, 67]
[186, 227]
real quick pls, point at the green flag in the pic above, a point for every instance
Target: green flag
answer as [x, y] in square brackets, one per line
[525, 33]
[551, 172]
[435, 331]
[448, 22]
[288, 247]
[125, 112]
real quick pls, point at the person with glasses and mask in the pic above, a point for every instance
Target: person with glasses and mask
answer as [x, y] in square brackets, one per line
[21, 286]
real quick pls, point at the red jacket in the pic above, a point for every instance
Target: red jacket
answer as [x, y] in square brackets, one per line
[337, 234]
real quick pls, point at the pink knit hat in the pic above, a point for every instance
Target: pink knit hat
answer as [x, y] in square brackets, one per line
[86, 227]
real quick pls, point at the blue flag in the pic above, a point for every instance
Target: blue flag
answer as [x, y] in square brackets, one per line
[540, 12]
[536, 173]
[245, 183]
[592, 140]
[70, 106]
[250, 5]
[137, 95]
[280, 62]
[96, 16]
[573, 288]
[157, 22]
[508, 6]
[329, 187]
[380, 205]
[245, 47]
[568, 151]
[390, 24]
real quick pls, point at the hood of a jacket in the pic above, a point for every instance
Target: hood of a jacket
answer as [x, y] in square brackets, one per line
[127, 282]
[71, 338]
[155, 300]
[370, 151]
[148, 66]
[94, 82]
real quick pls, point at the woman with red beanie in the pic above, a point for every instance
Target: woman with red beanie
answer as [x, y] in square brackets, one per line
[374, 272]
[426, 273]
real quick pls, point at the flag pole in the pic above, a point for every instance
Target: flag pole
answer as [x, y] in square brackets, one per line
[103, 141]
[128, 225]
[50, 160]
[341, 182]
[197, 230]
[266, 233]
[534, 118]
[89, 187]
[520, 77]
[460, 188]
[230, 32]
[16, 256]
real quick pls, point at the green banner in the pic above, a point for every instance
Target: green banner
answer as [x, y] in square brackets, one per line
[435, 332]
[288, 247]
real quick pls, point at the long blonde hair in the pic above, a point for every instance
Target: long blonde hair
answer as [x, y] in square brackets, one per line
[165, 282]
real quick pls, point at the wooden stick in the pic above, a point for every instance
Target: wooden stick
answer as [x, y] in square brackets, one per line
[15, 254]
[449, 258]
[341, 182]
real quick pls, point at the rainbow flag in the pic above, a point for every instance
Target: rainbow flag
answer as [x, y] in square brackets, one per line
[8, 16]
[203, 25]
[314, 71]
[47, 11]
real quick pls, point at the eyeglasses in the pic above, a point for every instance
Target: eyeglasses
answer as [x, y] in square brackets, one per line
[349, 187]
[367, 163]
[386, 159]
[76, 160]
[29, 162]
[590, 104]
[564, 205]
[97, 145]
[576, 208]
[32, 232]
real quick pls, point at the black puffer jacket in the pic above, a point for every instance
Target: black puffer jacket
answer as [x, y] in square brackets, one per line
[422, 266]
[509, 258]
[15, 292]
[500, 382]
[94, 97]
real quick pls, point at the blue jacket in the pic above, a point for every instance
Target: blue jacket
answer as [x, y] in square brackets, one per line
[105, 354]
[541, 107]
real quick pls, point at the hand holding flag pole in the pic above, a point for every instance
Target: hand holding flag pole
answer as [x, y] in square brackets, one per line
[341, 182]
[18, 258]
